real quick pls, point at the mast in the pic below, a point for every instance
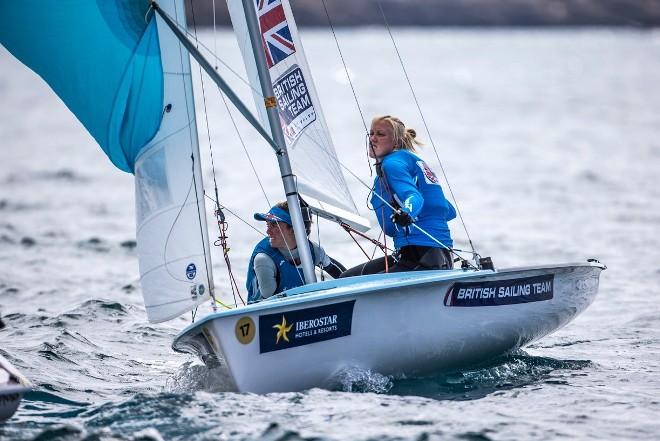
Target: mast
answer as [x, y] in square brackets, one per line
[277, 141]
[288, 179]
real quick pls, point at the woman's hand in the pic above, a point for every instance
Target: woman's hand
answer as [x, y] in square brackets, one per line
[401, 218]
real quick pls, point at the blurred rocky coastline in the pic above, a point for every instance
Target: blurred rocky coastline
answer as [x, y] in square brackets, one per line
[488, 13]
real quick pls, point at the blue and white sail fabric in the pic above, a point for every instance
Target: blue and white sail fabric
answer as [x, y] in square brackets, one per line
[124, 75]
[172, 237]
[313, 156]
[101, 58]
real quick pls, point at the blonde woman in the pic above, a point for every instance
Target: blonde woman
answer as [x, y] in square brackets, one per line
[409, 185]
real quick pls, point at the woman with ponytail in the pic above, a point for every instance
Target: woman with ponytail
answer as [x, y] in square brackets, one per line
[408, 202]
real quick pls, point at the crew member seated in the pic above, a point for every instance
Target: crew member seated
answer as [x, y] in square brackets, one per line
[275, 264]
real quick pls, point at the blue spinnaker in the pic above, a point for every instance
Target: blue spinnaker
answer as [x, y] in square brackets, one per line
[102, 58]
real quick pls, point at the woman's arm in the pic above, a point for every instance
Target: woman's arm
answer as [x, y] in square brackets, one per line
[266, 275]
[402, 184]
[331, 266]
[335, 268]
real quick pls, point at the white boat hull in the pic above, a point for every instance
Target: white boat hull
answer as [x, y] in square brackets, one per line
[12, 388]
[10, 398]
[410, 324]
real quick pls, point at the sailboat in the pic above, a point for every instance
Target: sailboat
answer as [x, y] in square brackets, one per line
[142, 115]
[13, 386]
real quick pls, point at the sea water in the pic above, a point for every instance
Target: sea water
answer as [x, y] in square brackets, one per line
[550, 141]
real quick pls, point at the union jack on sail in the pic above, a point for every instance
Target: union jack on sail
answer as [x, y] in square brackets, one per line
[275, 33]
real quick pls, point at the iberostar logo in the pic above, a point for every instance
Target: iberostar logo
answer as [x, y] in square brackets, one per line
[282, 330]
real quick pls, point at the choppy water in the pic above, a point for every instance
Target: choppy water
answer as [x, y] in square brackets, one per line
[551, 141]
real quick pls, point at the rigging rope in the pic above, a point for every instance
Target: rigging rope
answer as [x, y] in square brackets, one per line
[245, 150]
[222, 242]
[348, 75]
[252, 166]
[224, 305]
[236, 216]
[426, 127]
[219, 215]
[423, 120]
[184, 203]
[231, 116]
[370, 188]
[318, 237]
[350, 230]
[199, 44]
[377, 244]
[359, 110]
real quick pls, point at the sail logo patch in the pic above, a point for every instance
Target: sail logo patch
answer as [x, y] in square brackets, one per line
[191, 271]
[501, 292]
[429, 175]
[304, 326]
[275, 32]
[294, 102]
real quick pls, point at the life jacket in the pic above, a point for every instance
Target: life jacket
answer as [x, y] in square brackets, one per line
[287, 274]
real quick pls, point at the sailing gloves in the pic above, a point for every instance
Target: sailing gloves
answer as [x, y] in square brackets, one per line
[401, 218]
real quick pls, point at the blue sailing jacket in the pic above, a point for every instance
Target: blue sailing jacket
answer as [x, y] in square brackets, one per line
[410, 182]
[288, 275]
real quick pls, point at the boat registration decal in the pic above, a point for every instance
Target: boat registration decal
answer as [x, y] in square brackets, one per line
[501, 292]
[245, 330]
[304, 326]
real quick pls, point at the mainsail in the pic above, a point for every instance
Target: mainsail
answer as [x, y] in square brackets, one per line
[127, 79]
[313, 157]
